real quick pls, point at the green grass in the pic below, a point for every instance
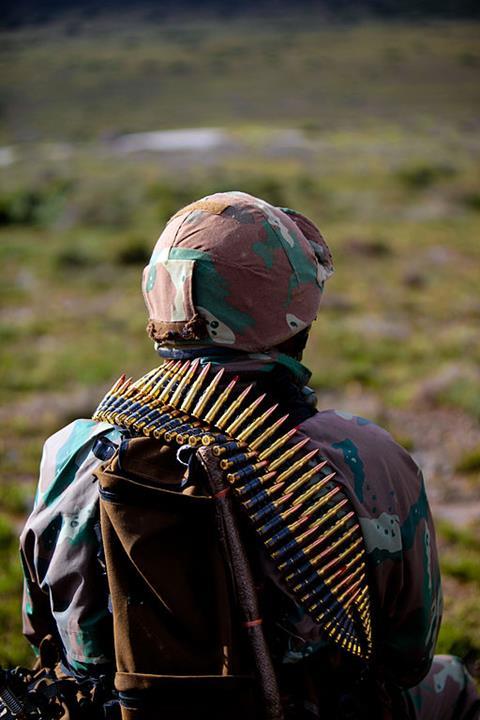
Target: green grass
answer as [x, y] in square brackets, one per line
[464, 567]
[14, 647]
[74, 85]
[470, 462]
[459, 633]
[460, 564]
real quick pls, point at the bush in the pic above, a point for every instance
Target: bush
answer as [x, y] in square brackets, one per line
[470, 462]
[71, 258]
[34, 206]
[133, 251]
[454, 640]
[104, 207]
[463, 537]
[463, 565]
[168, 199]
[19, 208]
[13, 499]
[421, 177]
[462, 393]
[472, 201]
[8, 539]
[266, 187]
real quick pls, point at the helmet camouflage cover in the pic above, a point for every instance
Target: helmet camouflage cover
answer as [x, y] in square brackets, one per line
[234, 271]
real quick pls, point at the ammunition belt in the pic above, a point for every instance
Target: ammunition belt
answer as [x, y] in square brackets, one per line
[302, 516]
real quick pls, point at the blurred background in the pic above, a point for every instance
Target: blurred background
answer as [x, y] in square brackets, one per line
[364, 116]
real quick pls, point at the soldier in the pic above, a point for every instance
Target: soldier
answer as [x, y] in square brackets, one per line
[351, 600]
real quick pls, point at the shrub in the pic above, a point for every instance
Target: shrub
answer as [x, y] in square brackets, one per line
[35, 205]
[134, 251]
[71, 258]
[420, 177]
[470, 462]
[472, 201]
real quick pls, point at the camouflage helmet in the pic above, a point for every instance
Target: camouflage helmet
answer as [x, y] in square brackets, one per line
[232, 270]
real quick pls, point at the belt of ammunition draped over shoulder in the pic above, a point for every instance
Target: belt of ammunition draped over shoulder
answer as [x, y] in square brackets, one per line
[289, 495]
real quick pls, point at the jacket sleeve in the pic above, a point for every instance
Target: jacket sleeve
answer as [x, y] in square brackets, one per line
[64, 591]
[387, 490]
[36, 614]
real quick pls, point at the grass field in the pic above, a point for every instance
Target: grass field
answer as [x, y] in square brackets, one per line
[372, 130]
[84, 80]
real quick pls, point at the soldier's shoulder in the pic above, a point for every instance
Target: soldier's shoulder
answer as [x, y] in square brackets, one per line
[343, 430]
[334, 422]
[76, 434]
[68, 454]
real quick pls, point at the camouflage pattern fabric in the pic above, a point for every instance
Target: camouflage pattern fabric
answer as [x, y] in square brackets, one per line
[64, 584]
[387, 491]
[59, 549]
[446, 693]
[194, 285]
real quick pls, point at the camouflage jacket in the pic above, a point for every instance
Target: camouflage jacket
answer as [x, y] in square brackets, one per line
[66, 594]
